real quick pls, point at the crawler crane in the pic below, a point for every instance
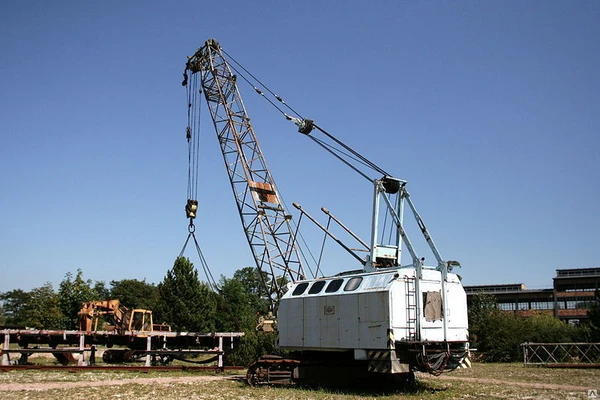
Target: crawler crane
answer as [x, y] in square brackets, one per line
[385, 319]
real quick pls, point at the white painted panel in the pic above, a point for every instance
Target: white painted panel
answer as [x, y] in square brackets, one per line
[457, 312]
[290, 322]
[373, 309]
[312, 322]
[348, 326]
[432, 334]
[329, 309]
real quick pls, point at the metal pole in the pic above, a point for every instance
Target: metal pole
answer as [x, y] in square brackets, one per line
[148, 348]
[81, 362]
[6, 346]
[220, 364]
[370, 266]
[400, 221]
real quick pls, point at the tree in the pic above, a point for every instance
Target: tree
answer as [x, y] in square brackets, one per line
[42, 310]
[482, 306]
[255, 283]
[500, 337]
[594, 318]
[35, 309]
[186, 303]
[72, 293]
[239, 307]
[243, 297]
[135, 294]
[498, 334]
[252, 346]
[101, 291]
[13, 305]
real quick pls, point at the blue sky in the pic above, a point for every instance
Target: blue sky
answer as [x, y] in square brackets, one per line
[489, 109]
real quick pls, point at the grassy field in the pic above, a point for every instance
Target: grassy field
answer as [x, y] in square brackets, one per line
[483, 381]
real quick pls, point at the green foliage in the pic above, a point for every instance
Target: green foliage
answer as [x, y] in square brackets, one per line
[544, 328]
[14, 303]
[242, 298]
[482, 306]
[498, 335]
[186, 303]
[43, 310]
[102, 292]
[38, 308]
[235, 307]
[253, 345]
[253, 281]
[134, 293]
[594, 319]
[72, 292]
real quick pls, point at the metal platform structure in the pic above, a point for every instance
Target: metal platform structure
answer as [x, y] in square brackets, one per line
[566, 355]
[156, 347]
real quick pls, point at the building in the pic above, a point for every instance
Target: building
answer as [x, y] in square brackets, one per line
[569, 299]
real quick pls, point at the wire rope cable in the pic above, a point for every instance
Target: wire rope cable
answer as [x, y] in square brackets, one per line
[356, 156]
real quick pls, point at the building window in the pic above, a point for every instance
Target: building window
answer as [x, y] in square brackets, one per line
[542, 305]
[506, 306]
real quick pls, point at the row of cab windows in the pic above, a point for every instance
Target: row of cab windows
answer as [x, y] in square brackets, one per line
[332, 286]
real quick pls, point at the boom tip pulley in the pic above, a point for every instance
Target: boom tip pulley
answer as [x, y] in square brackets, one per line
[392, 185]
[305, 125]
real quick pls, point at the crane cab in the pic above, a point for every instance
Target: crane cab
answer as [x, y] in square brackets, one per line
[391, 318]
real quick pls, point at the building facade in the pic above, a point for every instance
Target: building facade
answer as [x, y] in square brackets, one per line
[572, 293]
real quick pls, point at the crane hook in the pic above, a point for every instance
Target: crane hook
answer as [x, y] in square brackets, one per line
[191, 208]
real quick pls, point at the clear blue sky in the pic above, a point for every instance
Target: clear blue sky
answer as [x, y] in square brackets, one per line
[490, 110]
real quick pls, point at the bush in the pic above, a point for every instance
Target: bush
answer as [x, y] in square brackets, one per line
[252, 346]
[498, 335]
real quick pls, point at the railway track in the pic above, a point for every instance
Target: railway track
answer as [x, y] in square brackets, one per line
[131, 368]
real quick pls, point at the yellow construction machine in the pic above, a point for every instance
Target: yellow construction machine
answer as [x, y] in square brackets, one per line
[111, 315]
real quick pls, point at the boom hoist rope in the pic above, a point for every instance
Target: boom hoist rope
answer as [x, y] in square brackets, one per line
[191, 207]
[306, 126]
[348, 156]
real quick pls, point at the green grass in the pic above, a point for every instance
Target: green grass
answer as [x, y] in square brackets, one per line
[518, 372]
[426, 388]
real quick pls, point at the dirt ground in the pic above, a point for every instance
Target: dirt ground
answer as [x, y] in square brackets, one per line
[40, 386]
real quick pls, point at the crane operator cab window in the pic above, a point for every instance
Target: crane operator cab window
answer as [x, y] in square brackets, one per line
[334, 285]
[353, 284]
[298, 290]
[316, 287]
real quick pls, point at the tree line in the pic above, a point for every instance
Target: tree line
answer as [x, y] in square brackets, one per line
[180, 300]
[187, 304]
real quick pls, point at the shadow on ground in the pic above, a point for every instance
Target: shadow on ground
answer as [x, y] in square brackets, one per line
[371, 388]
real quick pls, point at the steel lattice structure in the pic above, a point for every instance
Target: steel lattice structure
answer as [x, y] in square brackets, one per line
[561, 353]
[266, 224]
